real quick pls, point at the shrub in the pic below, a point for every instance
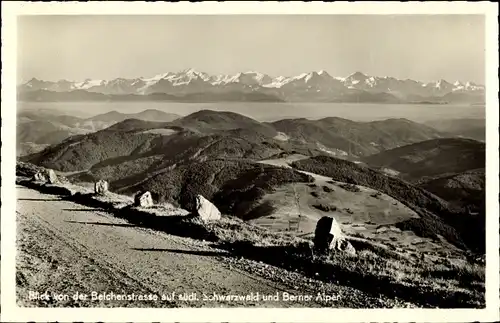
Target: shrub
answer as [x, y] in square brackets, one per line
[327, 189]
[350, 187]
[325, 207]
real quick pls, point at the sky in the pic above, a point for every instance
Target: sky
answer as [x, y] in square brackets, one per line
[420, 47]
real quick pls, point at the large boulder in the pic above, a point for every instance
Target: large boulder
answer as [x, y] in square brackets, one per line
[206, 210]
[47, 176]
[51, 176]
[328, 236]
[143, 199]
[101, 187]
[39, 177]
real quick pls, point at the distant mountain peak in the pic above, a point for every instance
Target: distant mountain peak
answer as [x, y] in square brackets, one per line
[189, 71]
[252, 72]
[324, 73]
[442, 81]
[314, 85]
[358, 75]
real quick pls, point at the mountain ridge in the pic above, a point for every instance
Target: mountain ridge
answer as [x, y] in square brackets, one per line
[432, 157]
[331, 136]
[313, 86]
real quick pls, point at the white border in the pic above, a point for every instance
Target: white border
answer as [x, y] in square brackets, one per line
[11, 313]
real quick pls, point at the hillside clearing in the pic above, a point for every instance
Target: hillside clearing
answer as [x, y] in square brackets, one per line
[366, 214]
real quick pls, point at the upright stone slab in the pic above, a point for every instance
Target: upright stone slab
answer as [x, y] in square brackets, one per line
[328, 236]
[322, 235]
[206, 210]
[143, 199]
[51, 176]
[101, 187]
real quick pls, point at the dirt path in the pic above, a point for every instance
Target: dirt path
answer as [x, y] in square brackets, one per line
[65, 248]
[285, 162]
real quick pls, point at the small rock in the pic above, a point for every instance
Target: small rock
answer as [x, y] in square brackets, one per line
[343, 245]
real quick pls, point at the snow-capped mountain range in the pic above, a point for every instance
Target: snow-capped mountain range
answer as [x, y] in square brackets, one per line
[312, 84]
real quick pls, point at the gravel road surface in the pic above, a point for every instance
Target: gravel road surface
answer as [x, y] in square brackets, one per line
[70, 255]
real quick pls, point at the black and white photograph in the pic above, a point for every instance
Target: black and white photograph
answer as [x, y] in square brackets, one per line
[251, 161]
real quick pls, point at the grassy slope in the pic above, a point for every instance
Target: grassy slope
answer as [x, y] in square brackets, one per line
[437, 216]
[82, 152]
[234, 186]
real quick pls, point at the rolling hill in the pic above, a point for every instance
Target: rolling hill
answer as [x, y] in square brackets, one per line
[235, 186]
[146, 115]
[432, 157]
[82, 152]
[225, 157]
[47, 115]
[358, 138]
[210, 133]
[466, 127]
[208, 121]
[38, 129]
[43, 132]
[465, 189]
[451, 168]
